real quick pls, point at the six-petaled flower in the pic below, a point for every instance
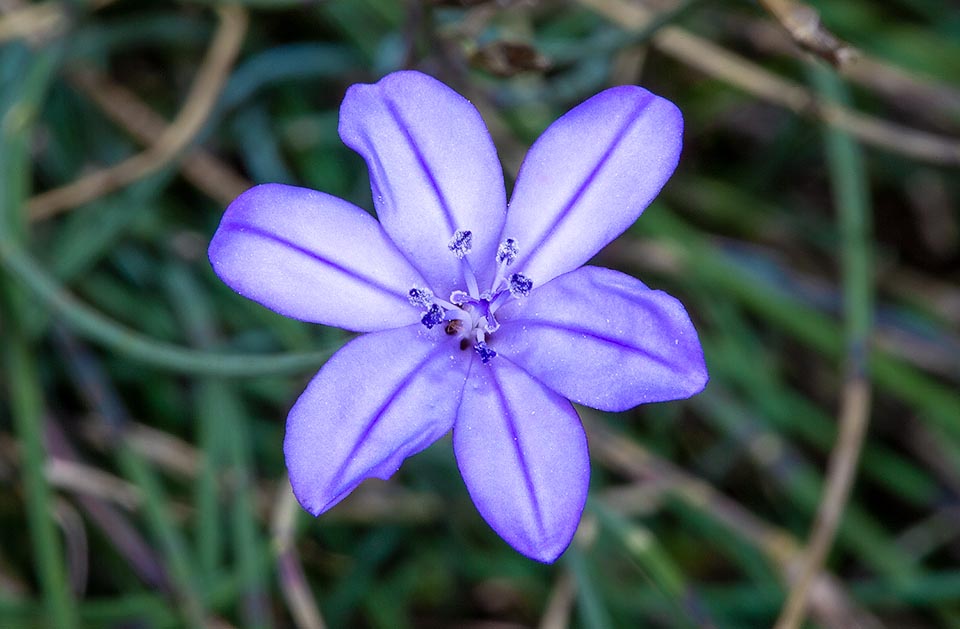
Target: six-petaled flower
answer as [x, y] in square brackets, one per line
[478, 315]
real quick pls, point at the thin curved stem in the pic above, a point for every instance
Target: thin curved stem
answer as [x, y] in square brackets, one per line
[203, 94]
[852, 200]
[293, 583]
[95, 327]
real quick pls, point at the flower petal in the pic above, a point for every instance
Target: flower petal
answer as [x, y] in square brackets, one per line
[603, 339]
[383, 397]
[314, 257]
[433, 171]
[523, 456]
[589, 176]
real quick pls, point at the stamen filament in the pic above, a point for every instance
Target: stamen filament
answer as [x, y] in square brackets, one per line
[470, 278]
[498, 278]
[499, 301]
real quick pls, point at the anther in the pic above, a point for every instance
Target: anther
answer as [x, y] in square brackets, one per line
[507, 252]
[520, 285]
[421, 297]
[461, 243]
[433, 316]
[486, 353]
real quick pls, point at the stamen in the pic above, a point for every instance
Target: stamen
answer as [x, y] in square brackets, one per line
[470, 314]
[507, 252]
[520, 285]
[506, 255]
[461, 243]
[421, 297]
[486, 353]
[433, 316]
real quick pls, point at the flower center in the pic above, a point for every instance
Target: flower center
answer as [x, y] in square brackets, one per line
[470, 315]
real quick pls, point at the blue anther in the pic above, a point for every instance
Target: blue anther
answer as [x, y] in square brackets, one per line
[461, 243]
[421, 297]
[433, 316]
[486, 353]
[507, 252]
[520, 285]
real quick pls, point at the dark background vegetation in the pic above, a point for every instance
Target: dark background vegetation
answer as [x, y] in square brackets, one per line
[811, 229]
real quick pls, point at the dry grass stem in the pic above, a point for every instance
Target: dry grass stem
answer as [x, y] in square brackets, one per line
[206, 172]
[33, 22]
[559, 607]
[203, 93]
[76, 543]
[164, 449]
[923, 97]
[720, 63]
[80, 478]
[563, 595]
[293, 581]
[802, 23]
[854, 415]
[830, 603]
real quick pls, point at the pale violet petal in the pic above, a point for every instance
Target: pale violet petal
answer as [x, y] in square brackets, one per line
[313, 257]
[588, 178]
[382, 398]
[433, 171]
[602, 339]
[523, 455]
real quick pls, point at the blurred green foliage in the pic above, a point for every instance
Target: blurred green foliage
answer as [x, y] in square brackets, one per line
[142, 402]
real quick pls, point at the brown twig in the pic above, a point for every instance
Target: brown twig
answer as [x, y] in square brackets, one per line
[922, 96]
[559, 607]
[163, 449]
[564, 593]
[854, 413]
[293, 582]
[829, 601]
[735, 70]
[93, 491]
[853, 208]
[79, 478]
[33, 22]
[76, 544]
[200, 101]
[802, 23]
[206, 172]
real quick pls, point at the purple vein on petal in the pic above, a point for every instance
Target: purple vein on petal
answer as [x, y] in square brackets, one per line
[422, 162]
[515, 439]
[378, 415]
[582, 188]
[577, 331]
[249, 229]
[375, 166]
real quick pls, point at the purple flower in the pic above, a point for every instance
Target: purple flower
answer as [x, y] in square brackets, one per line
[476, 317]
